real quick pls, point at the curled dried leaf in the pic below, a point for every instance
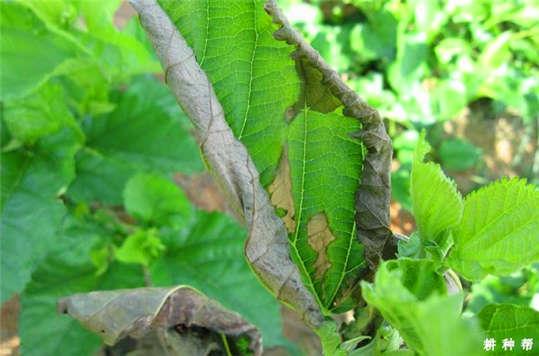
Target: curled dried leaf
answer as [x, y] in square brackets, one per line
[139, 312]
[266, 248]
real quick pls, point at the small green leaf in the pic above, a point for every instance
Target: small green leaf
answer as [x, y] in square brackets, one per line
[411, 247]
[376, 39]
[156, 200]
[518, 288]
[400, 187]
[330, 339]
[498, 231]
[436, 203]
[143, 247]
[410, 63]
[405, 144]
[451, 47]
[40, 114]
[496, 52]
[429, 17]
[351, 344]
[448, 99]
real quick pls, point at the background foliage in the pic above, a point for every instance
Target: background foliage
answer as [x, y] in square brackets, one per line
[90, 147]
[423, 63]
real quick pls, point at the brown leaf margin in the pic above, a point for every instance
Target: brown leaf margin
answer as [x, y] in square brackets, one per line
[137, 312]
[266, 247]
[373, 197]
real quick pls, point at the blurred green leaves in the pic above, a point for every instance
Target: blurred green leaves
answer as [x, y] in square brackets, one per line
[424, 62]
[207, 254]
[155, 200]
[68, 269]
[410, 294]
[24, 38]
[32, 180]
[458, 154]
[38, 115]
[518, 288]
[435, 56]
[145, 132]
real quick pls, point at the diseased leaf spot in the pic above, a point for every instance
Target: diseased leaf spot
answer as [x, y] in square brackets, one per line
[280, 191]
[320, 236]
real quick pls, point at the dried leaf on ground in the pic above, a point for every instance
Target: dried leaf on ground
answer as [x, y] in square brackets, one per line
[137, 312]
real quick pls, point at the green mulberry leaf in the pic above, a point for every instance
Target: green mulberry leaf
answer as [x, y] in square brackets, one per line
[156, 200]
[257, 83]
[251, 72]
[436, 203]
[499, 229]
[32, 181]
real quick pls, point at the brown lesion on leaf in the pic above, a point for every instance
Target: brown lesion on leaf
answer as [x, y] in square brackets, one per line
[374, 194]
[320, 236]
[314, 94]
[280, 191]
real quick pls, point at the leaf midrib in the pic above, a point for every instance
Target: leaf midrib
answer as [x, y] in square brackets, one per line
[206, 36]
[251, 69]
[300, 211]
[344, 272]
